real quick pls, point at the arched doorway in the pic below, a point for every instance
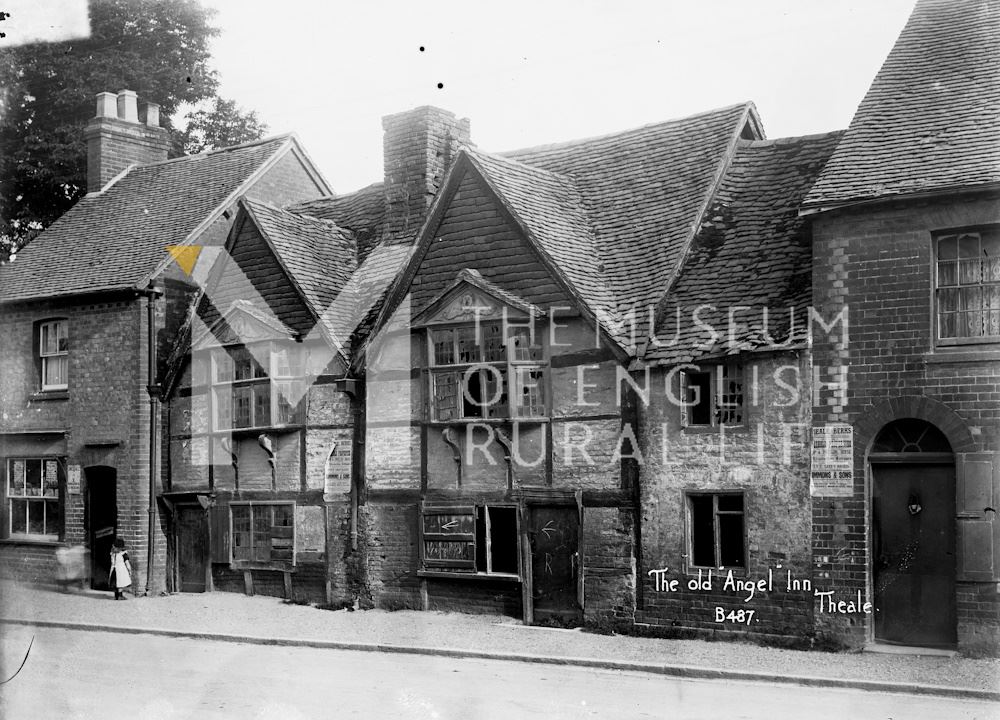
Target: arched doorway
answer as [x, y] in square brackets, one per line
[913, 535]
[101, 517]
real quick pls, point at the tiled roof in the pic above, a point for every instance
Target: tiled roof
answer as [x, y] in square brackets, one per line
[931, 118]
[752, 250]
[552, 210]
[317, 254]
[629, 202]
[116, 238]
[361, 212]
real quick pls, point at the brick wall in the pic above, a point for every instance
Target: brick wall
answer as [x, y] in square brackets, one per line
[114, 144]
[768, 460]
[878, 260]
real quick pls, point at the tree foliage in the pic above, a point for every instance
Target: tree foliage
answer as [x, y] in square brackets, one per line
[221, 124]
[158, 48]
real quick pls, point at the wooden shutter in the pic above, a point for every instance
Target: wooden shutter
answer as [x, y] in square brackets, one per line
[448, 537]
[219, 529]
[978, 531]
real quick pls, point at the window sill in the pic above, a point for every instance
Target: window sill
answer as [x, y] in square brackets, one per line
[43, 542]
[241, 566]
[715, 429]
[449, 575]
[45, 395]
[963, 353]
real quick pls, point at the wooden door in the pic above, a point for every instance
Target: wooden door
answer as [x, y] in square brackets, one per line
[192, 548]
[553, 534]
[913, 554]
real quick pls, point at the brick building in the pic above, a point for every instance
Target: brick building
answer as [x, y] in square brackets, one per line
[87, 313]
[906, 236]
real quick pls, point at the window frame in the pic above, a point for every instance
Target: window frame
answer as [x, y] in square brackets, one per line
[718, 375]
[280, 414]
[447, 568]
[58, 498]
[504, 377]
[937, 237]
[46, 356]
[253, 562]
[717, 545]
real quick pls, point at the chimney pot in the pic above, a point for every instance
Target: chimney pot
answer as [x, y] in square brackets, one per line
[152, 114]
[107, 105]
[128, 107]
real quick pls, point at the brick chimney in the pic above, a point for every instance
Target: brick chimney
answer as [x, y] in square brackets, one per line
[116, 138]
[418, 146]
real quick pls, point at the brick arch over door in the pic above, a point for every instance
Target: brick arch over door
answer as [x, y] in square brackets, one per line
[876, 417]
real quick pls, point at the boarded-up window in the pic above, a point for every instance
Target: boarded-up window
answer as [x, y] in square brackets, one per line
[466, 538]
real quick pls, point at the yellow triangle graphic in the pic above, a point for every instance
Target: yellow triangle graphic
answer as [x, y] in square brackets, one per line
[185, 256]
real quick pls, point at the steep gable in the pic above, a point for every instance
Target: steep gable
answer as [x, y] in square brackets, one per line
[930, 121]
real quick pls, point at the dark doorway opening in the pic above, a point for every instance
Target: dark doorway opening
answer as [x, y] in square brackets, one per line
[102, 522]
[913, 536]
[191, 537]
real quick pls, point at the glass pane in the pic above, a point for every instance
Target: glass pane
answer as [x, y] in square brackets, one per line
[493, 347]
[948, 248]
[262, 405]
[970, 298]
[15, 481]
[530, 391]
[444, 347]
[281, 364]
[968, 246]
[283, 515]
[991, 258]
[19, 516]
[33, 477]
[242, 537]
[284, 394]
[495, 396]
[50, 479]
[947, 325]
[970, 272]
[62, 336]
[972, 324]
[223, 366]
[948, 299]
[36, 517]
[521, 347]
[262, 534]
[243, 364]
[241, 406]
[52, 517]
[445, 395]
[731, 540]
[947, 274]
[468, 348]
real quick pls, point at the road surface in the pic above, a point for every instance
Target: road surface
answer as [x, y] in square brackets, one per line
[81, 675]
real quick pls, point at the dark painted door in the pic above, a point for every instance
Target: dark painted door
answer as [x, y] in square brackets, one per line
[554, 536]
[913, 516]
[192, 548]
[102, 522]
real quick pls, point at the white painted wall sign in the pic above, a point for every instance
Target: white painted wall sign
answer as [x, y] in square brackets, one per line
[73, 479]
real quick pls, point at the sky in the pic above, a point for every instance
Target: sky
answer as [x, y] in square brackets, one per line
[529, 73]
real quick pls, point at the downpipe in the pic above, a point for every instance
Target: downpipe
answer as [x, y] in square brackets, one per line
[154, 391]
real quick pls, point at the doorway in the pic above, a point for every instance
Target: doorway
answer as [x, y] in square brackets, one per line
[102, 522]
[913, 537]
[191, 538]
[554, 537]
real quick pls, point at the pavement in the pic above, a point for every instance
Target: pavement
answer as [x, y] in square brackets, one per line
[273, 621]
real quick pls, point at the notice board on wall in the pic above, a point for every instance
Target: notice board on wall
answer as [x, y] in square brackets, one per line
[831, 471]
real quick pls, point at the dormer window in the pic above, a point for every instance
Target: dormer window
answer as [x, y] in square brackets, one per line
[478, 373]
[53, 354]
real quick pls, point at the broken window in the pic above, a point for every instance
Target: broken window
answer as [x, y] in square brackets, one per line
[263, 533]
[968, 286]
[481, 539]
[713, 396]
[716, 532]
[484, 375]
[256, 386]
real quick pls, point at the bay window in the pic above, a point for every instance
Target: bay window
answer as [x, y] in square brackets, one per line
[256, 386]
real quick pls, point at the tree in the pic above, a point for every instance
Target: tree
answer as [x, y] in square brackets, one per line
[158, 48]
[220, 124]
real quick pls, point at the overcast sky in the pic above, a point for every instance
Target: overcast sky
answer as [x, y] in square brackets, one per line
[545, 71]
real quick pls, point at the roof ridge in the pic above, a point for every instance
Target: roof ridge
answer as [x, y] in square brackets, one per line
[216, 151]
[519, 163]
[618, 133]
[297, 216]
